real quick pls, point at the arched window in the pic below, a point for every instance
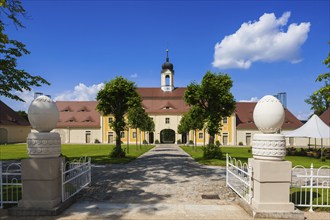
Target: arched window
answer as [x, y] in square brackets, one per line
[167, 80]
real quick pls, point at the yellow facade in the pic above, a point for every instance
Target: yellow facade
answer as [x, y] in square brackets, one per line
[109, 135]
[226, 136]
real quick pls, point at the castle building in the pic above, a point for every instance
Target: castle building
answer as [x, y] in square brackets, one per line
[13, 127]
[80, 122]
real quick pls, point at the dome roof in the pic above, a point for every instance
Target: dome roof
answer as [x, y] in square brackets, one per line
[167, 64]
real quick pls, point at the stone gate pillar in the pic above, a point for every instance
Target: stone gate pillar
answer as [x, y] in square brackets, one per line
[41, 172]
[271, 174]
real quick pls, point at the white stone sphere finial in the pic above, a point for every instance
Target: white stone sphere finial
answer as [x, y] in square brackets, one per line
[268, 115]
[43, 114]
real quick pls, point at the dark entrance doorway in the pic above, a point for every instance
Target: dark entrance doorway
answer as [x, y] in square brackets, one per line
[184, 138]
[3, 136]
[151, 137]
[167, 136]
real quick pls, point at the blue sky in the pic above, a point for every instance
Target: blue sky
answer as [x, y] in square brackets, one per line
[265, 46]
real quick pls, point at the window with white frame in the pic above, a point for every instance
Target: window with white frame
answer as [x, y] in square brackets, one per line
[225, 120]
[224, 139]
[167, 120]
[134, 134]
[200, 135]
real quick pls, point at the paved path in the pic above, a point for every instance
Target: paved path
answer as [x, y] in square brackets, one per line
[165, 183]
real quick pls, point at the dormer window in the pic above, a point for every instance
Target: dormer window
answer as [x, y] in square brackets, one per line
[83, 109]
[167, 107]
[89, 119]
[71, 120]
[67, 109]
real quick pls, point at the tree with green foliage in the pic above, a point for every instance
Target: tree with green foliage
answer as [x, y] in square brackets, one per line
[13, 78]
[23, 114]
[191, 121]
[213, 99]
[184, 125]
[116, 98]
[320, 99]
[148, 125]
[136, 118]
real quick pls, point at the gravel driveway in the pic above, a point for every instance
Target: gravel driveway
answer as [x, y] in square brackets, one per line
[165, 174]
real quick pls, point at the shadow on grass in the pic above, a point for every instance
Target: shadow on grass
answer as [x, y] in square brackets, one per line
[304, 198]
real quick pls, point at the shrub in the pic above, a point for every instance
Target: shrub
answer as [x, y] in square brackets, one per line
[179, 141]
[191, 142]
[291, 151]
[211, 151]
[156, 141]
[302, 152]
[240, 143]
[117, 154]
[145, 142]
[217, 143]
[97, 141]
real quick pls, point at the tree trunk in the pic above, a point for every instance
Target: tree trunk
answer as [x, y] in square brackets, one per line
[136, 139]
[117, 151]
[204, 138]
[140, 138]
[211, 139]
[128, 141]
[194, 140]
[118, 141]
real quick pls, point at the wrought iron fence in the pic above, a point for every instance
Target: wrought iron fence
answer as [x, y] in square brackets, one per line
[310, 188]
[10, 183]
[75, 176]
[239, 178]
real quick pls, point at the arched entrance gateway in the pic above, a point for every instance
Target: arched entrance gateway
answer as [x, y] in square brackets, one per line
[3, 136]
[167, 136]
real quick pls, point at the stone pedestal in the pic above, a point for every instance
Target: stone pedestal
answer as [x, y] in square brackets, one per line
[44, 145]
[271, 186]
[41, 179]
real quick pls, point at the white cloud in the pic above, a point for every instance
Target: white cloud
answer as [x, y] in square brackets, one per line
[263, 40]
[81, 92]
[27, 96]
[134, 75]
[253, 99]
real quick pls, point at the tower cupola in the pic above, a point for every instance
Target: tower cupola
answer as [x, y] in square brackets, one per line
[167, 64]
[167, 75]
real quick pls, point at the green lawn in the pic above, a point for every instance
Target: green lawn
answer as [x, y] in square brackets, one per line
[242, 153]
[319, 197]
[98, 152]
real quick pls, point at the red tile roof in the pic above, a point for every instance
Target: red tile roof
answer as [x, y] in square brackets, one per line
[244, 117]
[156, 101]
[78, 114]
[9, 117]
[325, 117]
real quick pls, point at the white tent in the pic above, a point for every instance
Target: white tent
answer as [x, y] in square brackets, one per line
[313, 128]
